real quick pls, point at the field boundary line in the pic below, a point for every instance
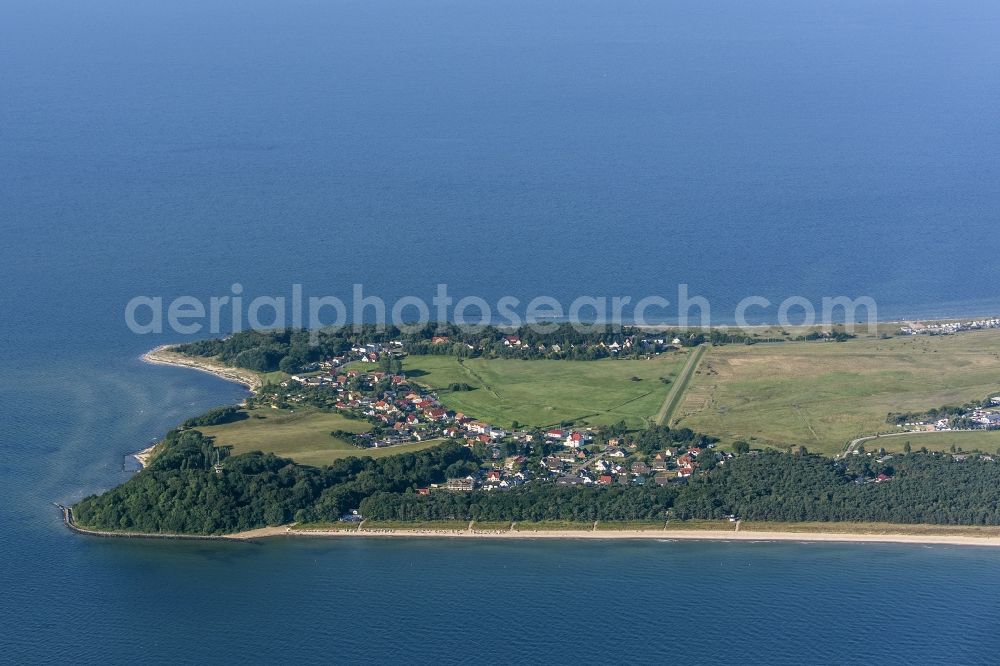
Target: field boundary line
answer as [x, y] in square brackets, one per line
[680, 386]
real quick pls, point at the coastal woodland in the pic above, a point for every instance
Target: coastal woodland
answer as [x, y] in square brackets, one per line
[184, 491]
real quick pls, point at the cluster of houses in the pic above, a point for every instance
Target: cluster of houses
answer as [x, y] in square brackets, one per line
[617, 464]
[614, 463]
[574, 466]
[978, 418]
[405, 412]
[950, 327]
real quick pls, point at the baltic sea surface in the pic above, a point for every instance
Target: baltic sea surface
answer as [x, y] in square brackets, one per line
[560, 148]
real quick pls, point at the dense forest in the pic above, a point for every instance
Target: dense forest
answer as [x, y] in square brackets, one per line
[181, 491]
[925, 488]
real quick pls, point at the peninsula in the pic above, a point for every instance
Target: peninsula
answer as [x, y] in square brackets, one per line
[512, 434]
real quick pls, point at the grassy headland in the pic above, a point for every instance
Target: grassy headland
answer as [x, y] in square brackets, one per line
[821, 395]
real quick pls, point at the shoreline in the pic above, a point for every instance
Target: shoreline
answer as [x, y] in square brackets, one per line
[663, 535]
[144, 456]
[625, 534]
[163, 355]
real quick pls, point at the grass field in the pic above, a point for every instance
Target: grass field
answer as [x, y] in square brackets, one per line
[302, 435]
[275, 377]
[678, 388]
[821, 394]
[545, 393]
[983, 440]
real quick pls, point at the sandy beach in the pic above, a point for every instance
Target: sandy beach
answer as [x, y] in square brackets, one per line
[659, 535]
[144, 455]
[163, 355]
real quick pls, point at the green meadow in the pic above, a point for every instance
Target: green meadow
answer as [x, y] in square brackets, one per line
[987, 441]
[302, 435]
[545, 393]
[823, 394]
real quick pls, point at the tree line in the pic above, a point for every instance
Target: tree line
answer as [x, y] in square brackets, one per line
[182, 492]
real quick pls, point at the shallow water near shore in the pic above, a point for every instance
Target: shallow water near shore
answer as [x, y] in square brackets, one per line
[501, 148]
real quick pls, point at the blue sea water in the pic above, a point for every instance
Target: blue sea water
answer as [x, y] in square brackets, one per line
[516, 148]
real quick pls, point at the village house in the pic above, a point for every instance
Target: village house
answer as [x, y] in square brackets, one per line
[552, 463]
[571, 480]
[663, 478]
[461, 485]
[514, 463]
[659, 461]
